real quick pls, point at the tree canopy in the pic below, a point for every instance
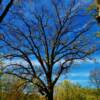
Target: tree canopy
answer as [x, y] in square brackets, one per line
[53, 35]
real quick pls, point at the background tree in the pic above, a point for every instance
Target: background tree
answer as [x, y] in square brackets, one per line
[95, 79]
[51, 35]
[94, 9]
[66, 89]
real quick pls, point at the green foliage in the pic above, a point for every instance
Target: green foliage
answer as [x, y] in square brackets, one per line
[91, 7]
[98, 34]
[69, 91]
[64, 91]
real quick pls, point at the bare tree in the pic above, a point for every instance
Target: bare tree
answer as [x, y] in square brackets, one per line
[95, 79]
[52, 36]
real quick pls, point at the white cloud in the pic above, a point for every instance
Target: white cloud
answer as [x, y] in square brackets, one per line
[87, 61]
[79, 81]
[79, 74]
[20, 61]
[78, 61]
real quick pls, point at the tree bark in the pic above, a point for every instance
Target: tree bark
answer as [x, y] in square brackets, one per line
[50, 95]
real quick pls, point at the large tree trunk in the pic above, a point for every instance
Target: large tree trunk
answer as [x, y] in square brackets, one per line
[50, 96]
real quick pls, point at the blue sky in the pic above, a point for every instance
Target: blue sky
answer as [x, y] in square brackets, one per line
[79, 73]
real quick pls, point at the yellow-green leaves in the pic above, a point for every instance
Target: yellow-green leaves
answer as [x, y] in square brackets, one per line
[98, 34]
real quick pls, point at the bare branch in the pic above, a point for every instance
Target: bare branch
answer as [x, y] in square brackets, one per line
[6, 10]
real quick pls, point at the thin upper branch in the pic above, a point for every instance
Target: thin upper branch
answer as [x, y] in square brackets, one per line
[2, 16]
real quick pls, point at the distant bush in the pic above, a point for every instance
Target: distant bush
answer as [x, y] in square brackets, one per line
[68, 91]
[64, 91]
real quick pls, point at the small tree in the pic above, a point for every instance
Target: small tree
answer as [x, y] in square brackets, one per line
[95, 79]
[53, 36]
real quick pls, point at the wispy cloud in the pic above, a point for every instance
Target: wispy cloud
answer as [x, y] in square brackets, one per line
[82, 82]
[87, 61]
[79, 74]
[20, 61]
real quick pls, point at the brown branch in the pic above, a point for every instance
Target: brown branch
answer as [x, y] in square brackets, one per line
[75, 38]
[6, 10]
[58, 75]
[23, 53]
[21, 66]
[39, 57]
